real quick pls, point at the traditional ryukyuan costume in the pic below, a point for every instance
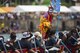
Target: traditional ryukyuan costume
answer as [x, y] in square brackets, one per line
[45, 21]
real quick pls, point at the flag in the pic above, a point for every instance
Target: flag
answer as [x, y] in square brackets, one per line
[56, 5]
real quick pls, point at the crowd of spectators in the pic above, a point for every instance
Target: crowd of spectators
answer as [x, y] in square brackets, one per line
[16, 21]
[62, 41]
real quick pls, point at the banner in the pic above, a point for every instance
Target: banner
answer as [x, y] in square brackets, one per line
[56, 5]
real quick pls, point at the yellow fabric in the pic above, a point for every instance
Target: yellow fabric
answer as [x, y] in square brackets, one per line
[7, 9]
[42, 19]
[44, 25]
[2, 25]
[2, 11]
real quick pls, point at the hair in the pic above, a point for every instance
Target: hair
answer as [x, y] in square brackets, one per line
[61, 35]
[2, 37]
[13, 35]
[50, 32]
[74, 31]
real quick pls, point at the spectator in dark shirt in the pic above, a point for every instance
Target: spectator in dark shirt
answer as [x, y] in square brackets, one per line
[38, 37]
[72, 40]
[51, 39]
[25, 42]
[2, 50]
[10, 44]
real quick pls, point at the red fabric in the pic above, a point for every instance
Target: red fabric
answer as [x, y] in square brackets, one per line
[73, 48]
[50, 17]
[45, 36]
[26, 51]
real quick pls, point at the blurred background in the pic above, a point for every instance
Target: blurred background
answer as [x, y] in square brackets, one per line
[37, 2]
[22, 15]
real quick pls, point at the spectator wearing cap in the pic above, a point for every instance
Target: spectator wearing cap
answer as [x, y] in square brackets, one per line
[38, 40]
[10, 44]
[25, 42]
[38, 34]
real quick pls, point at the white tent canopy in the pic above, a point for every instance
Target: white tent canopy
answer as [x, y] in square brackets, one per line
[64, 9]
[37, 8]
[30, 8]
[75, 8]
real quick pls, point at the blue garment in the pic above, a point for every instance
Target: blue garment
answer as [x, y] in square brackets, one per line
[38, 43]
[51, 42]
[72, 41]
[1, 46]
[25, 44]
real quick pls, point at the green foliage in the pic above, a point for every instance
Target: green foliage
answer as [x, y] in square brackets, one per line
[66, 4]
[46, 2]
